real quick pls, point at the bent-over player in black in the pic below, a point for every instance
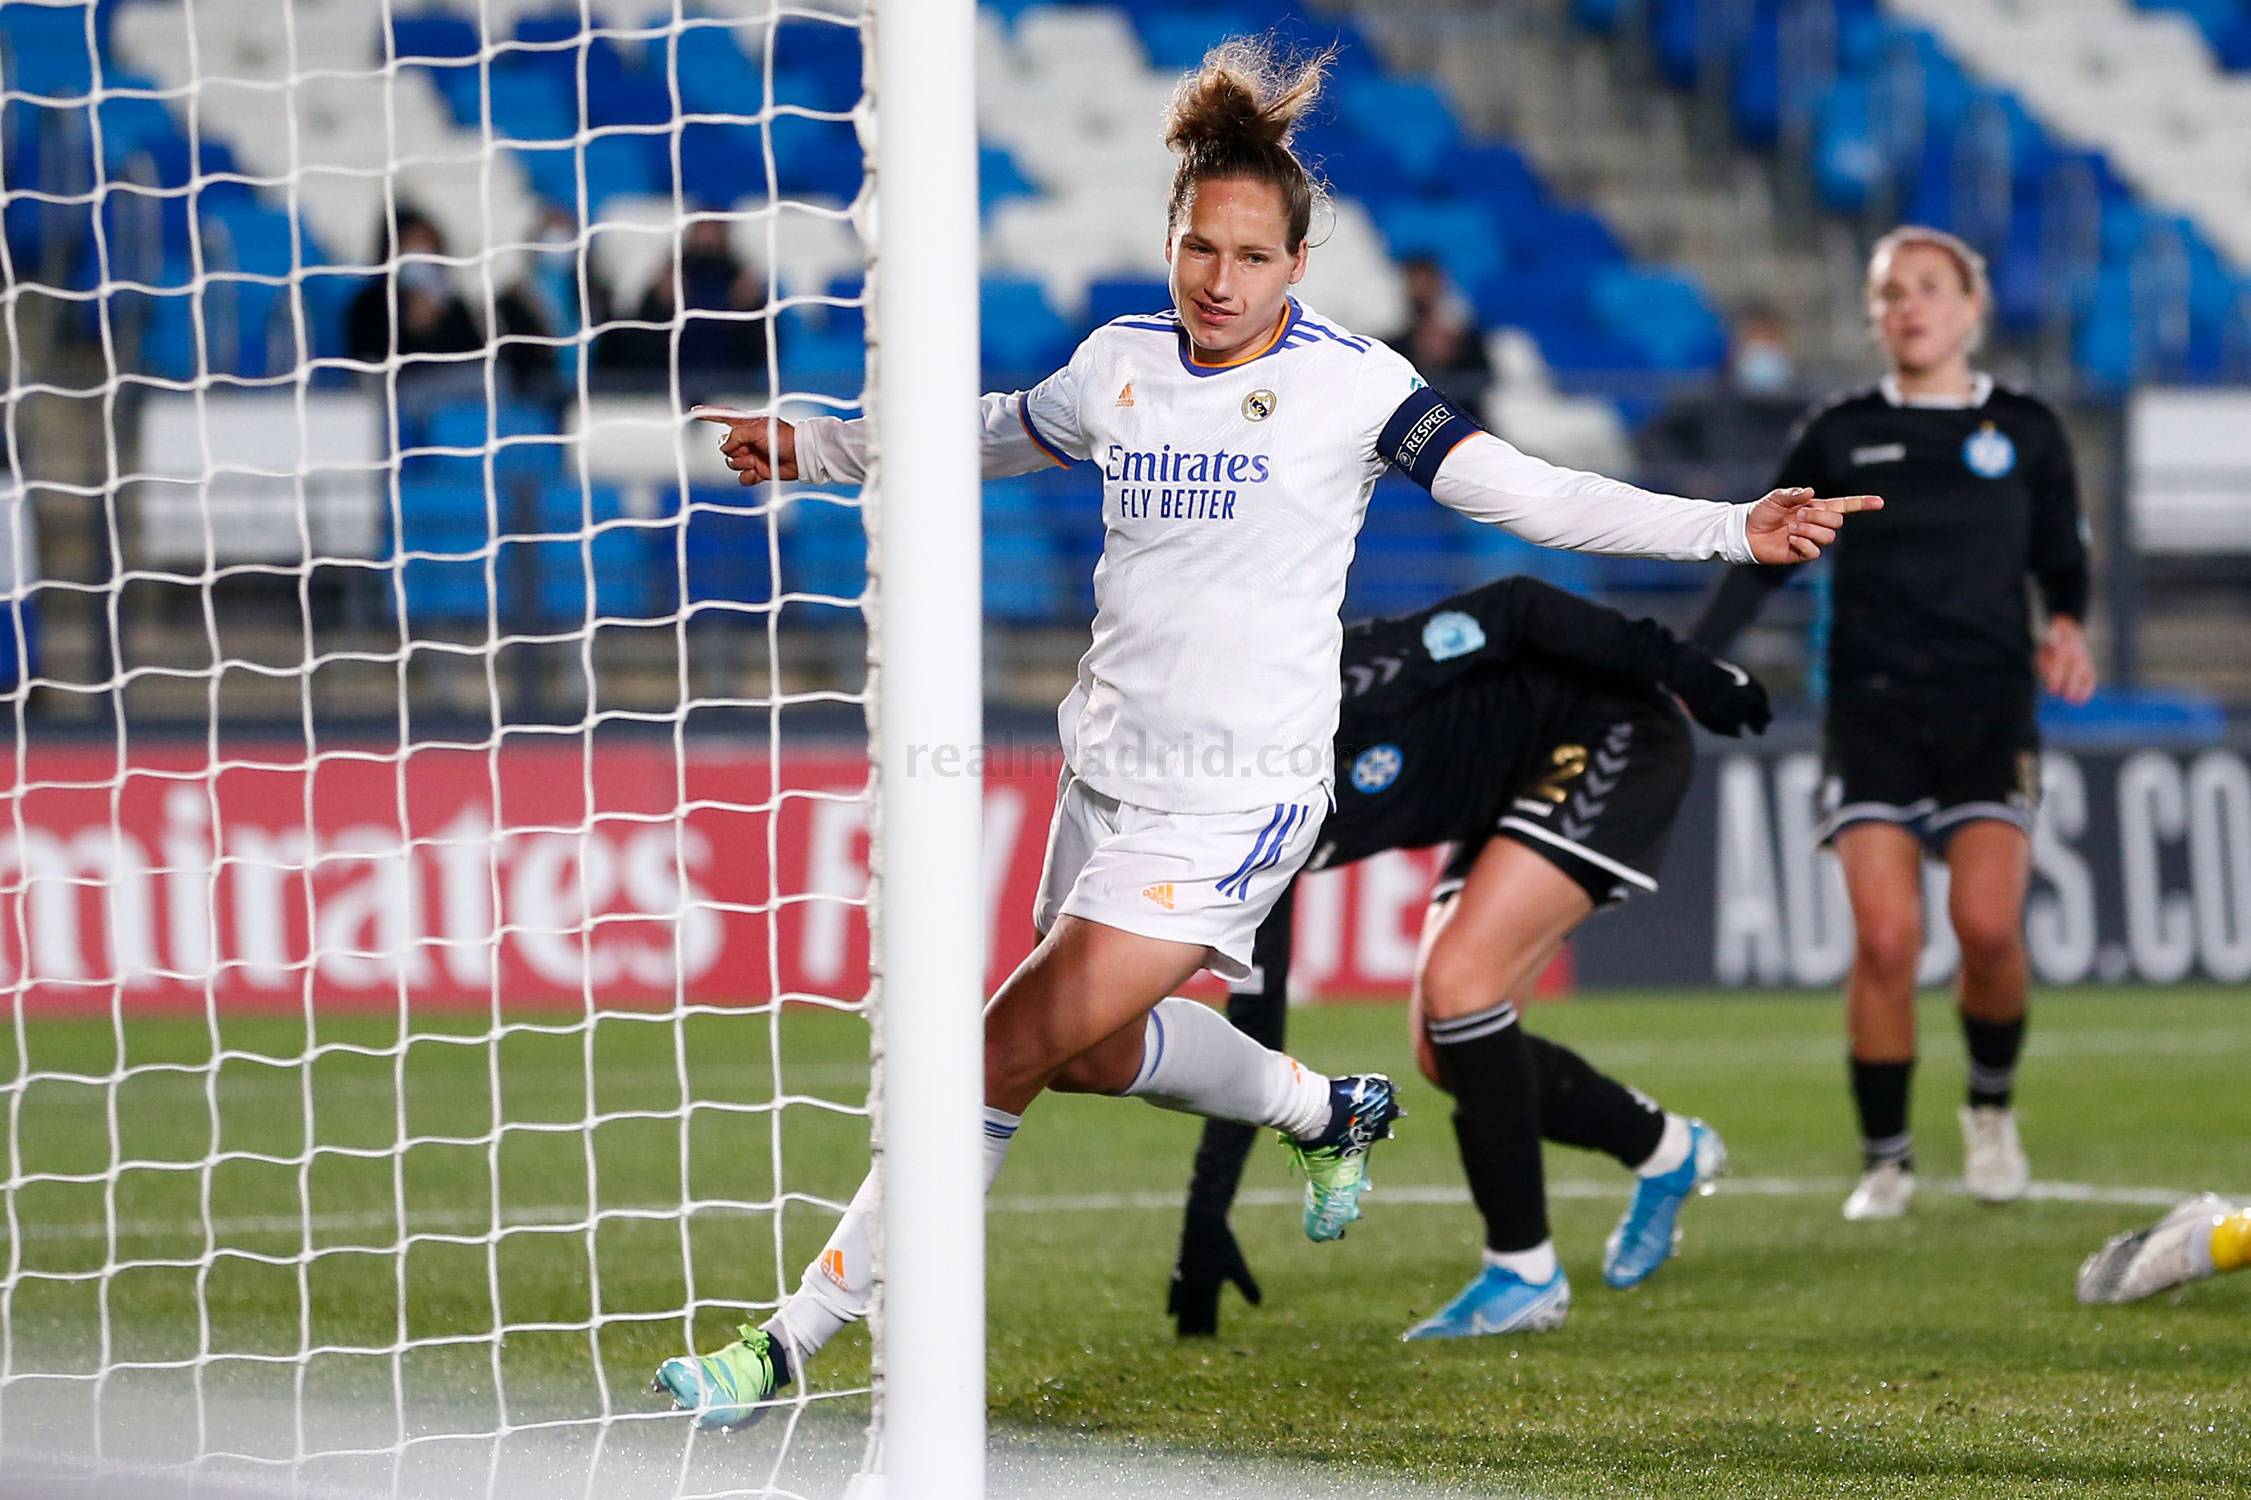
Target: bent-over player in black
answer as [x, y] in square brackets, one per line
[1931, 745]
[1539, 733]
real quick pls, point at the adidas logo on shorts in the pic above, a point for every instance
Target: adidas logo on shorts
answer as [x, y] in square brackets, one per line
[1161, 894]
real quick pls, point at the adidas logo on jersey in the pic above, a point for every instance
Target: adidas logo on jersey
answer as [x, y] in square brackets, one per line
[1125, 394]
[1161, 894]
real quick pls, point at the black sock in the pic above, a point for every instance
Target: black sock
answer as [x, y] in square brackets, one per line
[1879, 1091]
[1488, 1070]
[1581, 1107]
[1994, 1046]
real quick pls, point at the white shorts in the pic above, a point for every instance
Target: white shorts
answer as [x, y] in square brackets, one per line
[1208, 878]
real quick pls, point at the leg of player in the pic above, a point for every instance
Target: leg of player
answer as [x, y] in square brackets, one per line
[1883, 877]
[2204, 1236]
[1186, 1056]
[1477, 949]
[1991, 864]
[1672, 1156]
[1081, 994]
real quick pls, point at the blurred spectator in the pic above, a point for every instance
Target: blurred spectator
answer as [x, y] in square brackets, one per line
[1442, 340]
[1726, 443]
[432, 319]
[548, 299]
[710, 278]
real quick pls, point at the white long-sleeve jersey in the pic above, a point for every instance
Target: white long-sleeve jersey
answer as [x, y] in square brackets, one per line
[1231, 498]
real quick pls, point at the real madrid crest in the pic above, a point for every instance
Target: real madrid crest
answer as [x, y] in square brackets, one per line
[1989, 453]
[1258, 406]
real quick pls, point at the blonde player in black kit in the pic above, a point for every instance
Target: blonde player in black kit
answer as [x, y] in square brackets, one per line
[1931, 743]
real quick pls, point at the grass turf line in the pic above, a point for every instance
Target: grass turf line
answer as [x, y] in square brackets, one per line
[1784, 1353]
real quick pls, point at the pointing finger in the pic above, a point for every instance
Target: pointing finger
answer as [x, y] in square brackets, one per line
[1850, 503]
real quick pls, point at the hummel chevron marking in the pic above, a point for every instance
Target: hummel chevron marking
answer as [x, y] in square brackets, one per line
[1366, 677]
[1609, 766]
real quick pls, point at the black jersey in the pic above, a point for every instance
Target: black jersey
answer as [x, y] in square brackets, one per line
[1459, 693]
[1930, 591]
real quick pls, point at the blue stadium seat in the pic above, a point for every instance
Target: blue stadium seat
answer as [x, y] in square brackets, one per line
[716, 76]
[816, 157]
[998, 179]
[132, 125]
[1460, 234]
[1020, 333]
[434, 34]
[616, 164]
[816, 63]
[1848, 164]
[1500, 176]
[246, 235]
[726, 547]
[1025, 578]
[529, 102]
[824, 551]
[1408, 118]
[451, 520]
[631, 580]
[48, 50]
[526, 450]
[721, 163]
[1125, 297]
[1662, 313]
[617, 94]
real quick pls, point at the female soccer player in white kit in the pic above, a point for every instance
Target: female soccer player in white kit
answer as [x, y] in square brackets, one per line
[1237, 436]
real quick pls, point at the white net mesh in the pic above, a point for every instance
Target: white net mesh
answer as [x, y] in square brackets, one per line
[435, 993]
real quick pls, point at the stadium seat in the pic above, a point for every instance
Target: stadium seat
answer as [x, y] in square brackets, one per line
[1019, 330]
[1125, 297]
[823, 553]
[1664, 314]
[726, 546]
[449, 519]
[629, 577]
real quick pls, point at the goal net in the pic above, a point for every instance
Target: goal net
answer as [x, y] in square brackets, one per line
[434, 894]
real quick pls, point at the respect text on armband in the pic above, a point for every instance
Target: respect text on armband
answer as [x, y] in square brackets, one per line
[1419, 435]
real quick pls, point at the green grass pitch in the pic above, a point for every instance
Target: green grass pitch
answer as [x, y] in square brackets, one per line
[1783, 1353]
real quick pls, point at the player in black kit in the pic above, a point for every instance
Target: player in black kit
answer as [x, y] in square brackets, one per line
[1931, 742]
[1539, 733]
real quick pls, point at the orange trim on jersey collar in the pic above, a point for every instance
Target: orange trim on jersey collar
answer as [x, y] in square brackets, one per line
[1281, 326]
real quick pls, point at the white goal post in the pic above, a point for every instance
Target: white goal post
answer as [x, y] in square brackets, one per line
[929, 986]
[432, 918]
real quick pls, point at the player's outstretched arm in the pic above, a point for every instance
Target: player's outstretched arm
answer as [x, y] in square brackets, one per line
[759, 446]
[1489, 480]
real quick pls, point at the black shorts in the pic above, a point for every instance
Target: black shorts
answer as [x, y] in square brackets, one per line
[1598, 797]
[1928, 763]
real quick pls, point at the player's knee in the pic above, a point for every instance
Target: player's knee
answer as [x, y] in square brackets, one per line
[1886, 944]
[1988, 940]
[1012, 1063]
[1460, 979]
